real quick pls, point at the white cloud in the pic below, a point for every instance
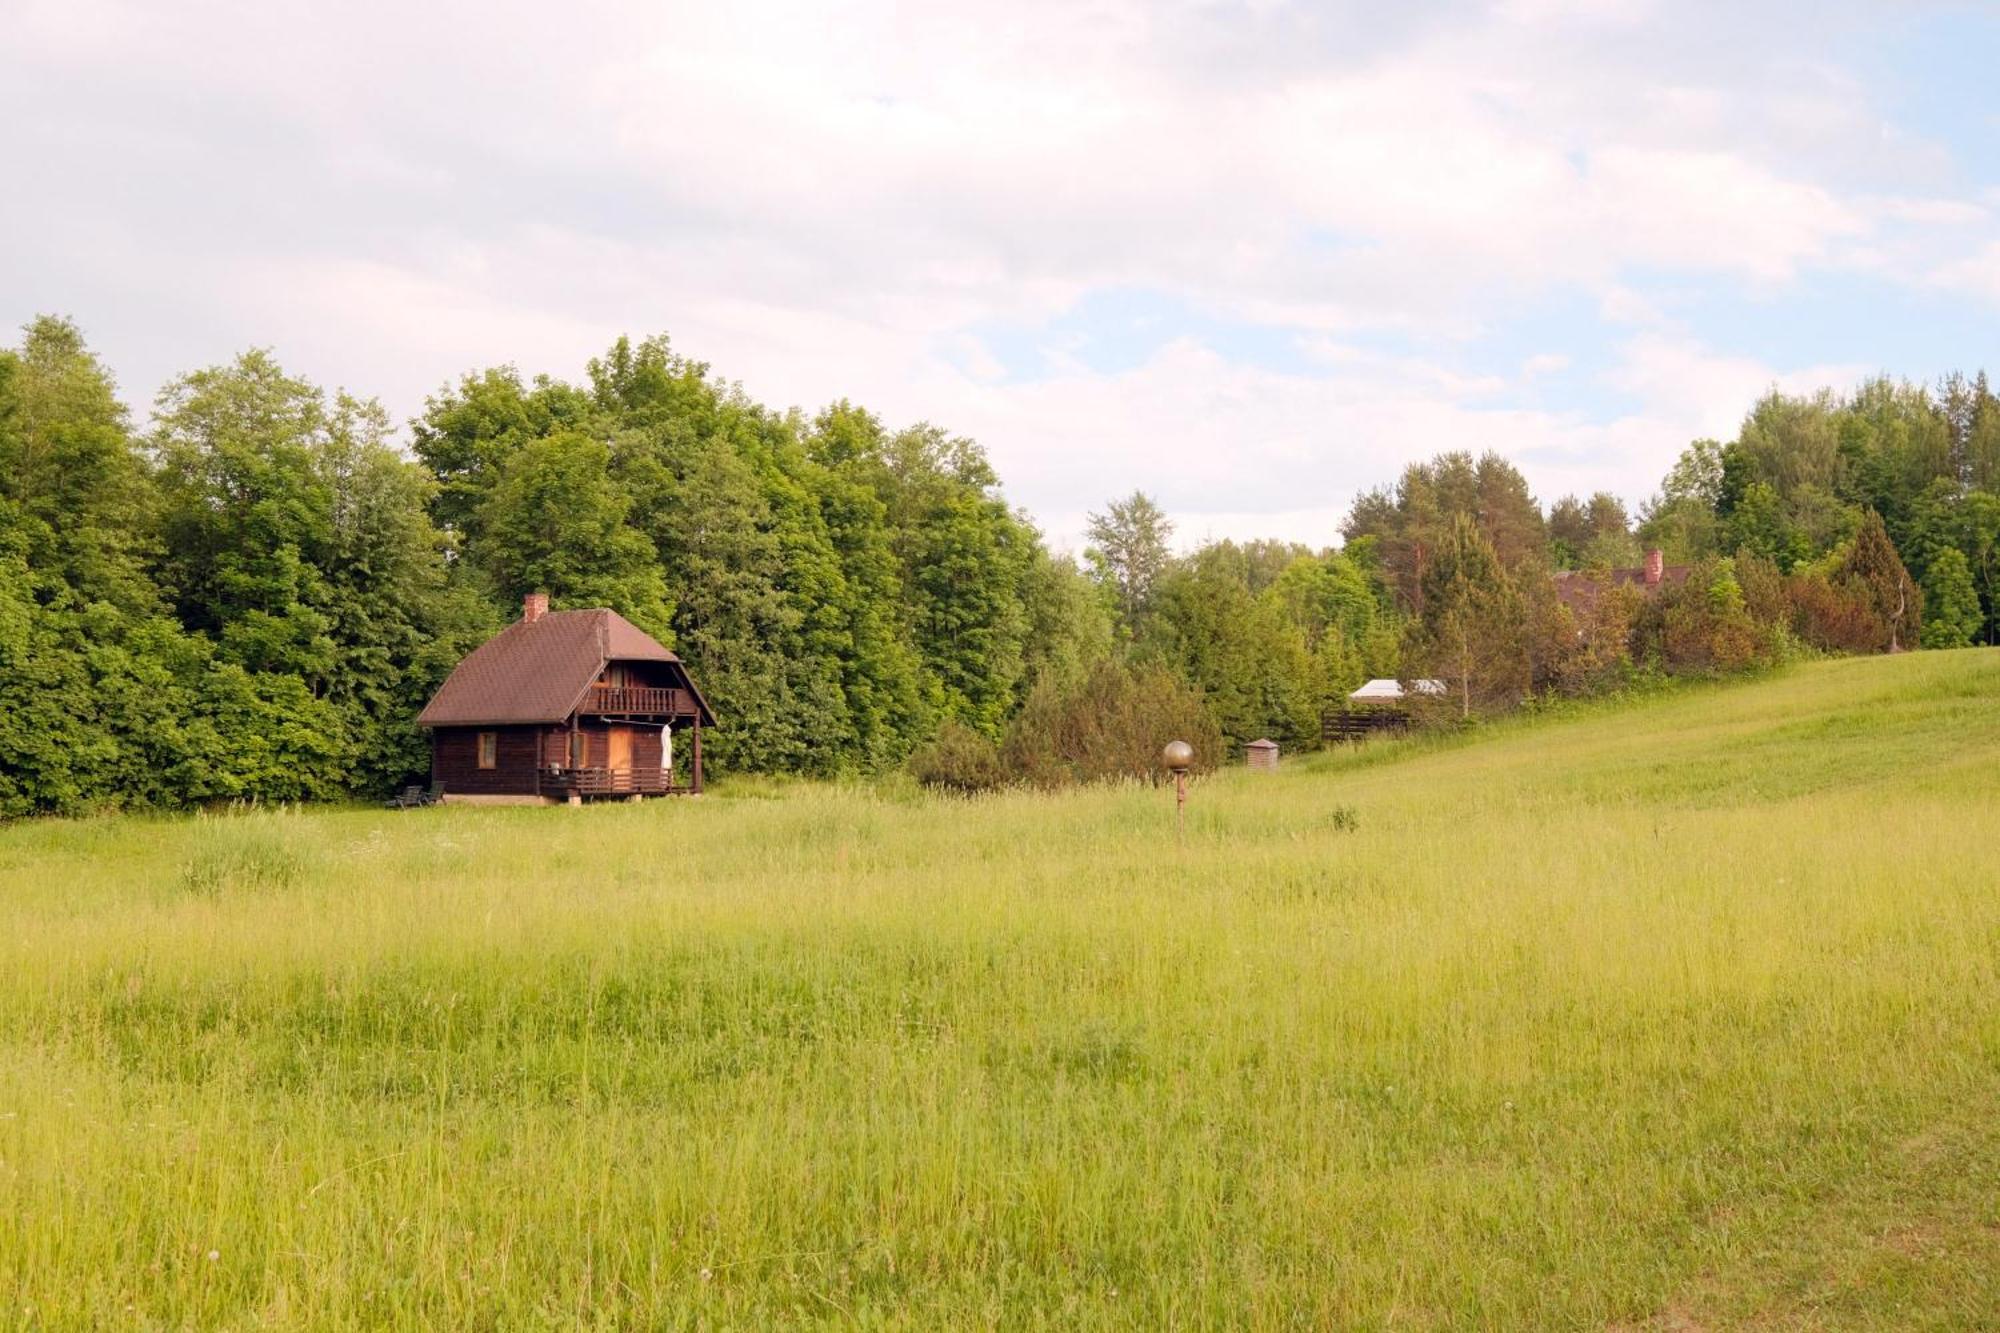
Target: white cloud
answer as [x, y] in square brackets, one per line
[1977, 273]
[828, 201]
[1297, 448]
[1932, 212]
[1698, 393]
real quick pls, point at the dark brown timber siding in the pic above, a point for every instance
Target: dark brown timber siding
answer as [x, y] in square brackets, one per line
[513, 772]
[597, 744]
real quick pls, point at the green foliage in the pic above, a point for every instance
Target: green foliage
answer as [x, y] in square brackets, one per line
[1874, 570]
[1414, 521]
[467, 434]
[1112, 724]
[47, 747]
[838, 588]
[1242, 650]
[1070, 622]
[1841, 493]
[1981, 534]
[1471, 631]
[72, 483]
[1704, 627]
[1335, 593]
[1796, 482]
[1952, 617]
[1587, 651]
[1757, 523]
[555, 523]
[1591, 534]
[297, 539]
[880, 671]
[1129, 553]
[964, 558]
[254, 601]
[958, 759]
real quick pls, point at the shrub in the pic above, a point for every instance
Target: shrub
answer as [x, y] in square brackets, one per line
[1834, 617]
[1764, 589]
[1588, 651]
[1704, 626]
[957, 759]
[1111, 724]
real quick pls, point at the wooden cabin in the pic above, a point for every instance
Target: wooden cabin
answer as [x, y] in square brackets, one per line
[566, 706]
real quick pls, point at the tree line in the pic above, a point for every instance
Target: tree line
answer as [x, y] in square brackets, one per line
[251, 596]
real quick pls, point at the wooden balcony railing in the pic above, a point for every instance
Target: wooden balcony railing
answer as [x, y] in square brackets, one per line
[613, 782]
[645, 700]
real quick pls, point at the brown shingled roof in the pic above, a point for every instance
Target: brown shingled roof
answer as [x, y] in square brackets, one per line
[1579, 589]
[537, 671]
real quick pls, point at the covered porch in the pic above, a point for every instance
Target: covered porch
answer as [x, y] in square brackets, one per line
[622, 753]
[606, 781]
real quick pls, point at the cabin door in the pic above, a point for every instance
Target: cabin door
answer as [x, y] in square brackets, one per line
[621, 750]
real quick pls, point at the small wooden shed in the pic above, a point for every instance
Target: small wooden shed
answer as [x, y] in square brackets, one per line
[563, 706]
[1261, 753]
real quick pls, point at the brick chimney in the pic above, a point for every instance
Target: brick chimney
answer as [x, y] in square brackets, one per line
[533, 607]
[1656, 567]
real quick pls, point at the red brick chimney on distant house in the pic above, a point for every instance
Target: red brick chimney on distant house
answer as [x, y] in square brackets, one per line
[536, 605]
[1656, 567]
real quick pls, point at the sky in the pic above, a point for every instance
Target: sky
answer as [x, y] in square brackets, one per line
[1252, 258]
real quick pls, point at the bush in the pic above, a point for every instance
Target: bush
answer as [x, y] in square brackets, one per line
[1111, 724]
[1704, 627]
[1586, 651]
[1834, 617]
[957, 759]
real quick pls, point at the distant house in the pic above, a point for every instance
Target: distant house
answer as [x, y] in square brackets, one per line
[1391, 692]
[1580, 590]
[1380, 705]
[564, 705]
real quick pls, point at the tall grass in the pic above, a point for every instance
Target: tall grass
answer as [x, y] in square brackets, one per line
[1683, 1014]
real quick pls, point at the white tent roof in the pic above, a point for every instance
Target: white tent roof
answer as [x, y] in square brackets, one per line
[1393, 689]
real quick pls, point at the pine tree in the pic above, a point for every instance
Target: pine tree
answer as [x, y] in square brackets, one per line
[1877, 573]
[1471, 630]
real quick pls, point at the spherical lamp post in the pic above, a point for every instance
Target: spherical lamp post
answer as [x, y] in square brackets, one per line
[1178, 756]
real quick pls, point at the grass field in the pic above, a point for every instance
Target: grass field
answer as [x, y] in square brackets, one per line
[1679, 1015]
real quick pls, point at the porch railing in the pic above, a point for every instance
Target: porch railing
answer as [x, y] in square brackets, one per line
[650, 700]
[614, 782]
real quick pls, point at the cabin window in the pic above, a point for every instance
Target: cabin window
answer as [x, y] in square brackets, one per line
[489, 749]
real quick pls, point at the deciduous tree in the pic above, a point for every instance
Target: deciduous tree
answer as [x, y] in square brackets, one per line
[1129, 552]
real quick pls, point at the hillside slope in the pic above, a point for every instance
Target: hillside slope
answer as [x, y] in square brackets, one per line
[1680, 1014]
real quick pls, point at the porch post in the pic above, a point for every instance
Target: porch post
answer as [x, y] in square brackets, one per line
[697, 752]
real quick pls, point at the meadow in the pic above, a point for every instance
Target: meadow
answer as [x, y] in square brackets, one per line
[1682, 1013]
